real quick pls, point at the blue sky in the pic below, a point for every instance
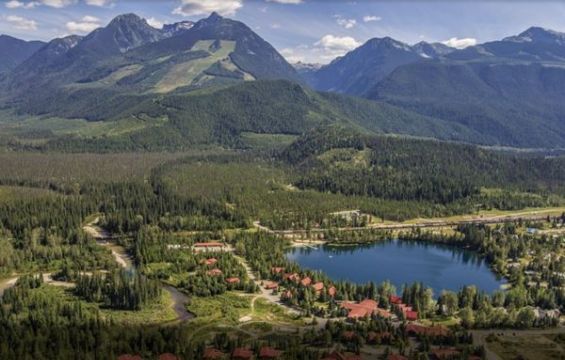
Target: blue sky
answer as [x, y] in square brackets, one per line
[302, 30]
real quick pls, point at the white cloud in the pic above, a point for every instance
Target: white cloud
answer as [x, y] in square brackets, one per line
[460, 43]
[291, 56]
[21, 23]
[346, 23]
[337, 44]
[155, 23]
[205, 7]
[85, 25]
[100, 3]
[275, 26]
[286, 1]
[15, 4]
[58, 3]
[370, 18]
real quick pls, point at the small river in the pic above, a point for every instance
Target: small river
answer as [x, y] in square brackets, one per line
[437, 266]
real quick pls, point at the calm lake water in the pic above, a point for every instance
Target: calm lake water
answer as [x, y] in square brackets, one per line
[437, 266]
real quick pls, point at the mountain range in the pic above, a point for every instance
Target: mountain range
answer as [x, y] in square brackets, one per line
[506, 93]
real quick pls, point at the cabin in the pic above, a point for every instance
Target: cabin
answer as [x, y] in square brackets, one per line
[210, 262]
[242, 354]
[277, 270]
[269, 353]
[363, 309]
[291, 277]
[233, 280]
[271, 285]
[396, 300]
[411, 315]
[214, 272]
[286, 295]
[318, 287]
[332, 291]
[212, 354]
[306, 281]
[212, 246]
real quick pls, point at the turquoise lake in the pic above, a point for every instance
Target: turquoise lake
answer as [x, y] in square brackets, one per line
[437, 266]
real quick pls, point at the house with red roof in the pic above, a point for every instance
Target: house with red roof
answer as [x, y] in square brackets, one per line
[286, 295]
[277, 270]
[213, 354]
[267, 352]
[291, 277]
[411, 315]
[242, 354]
[233, 280]
[363, 309]
[332, 291]
[208, 246]
[210, 262]
[271, 285]
[318, 287]
[306, 281]
[395, 299]
[214, 272]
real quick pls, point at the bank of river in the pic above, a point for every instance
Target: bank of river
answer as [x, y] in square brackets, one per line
[401, 262]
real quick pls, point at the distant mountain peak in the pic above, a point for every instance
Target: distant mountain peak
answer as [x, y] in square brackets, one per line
[538, 34]
[214, 17]
[177, 28]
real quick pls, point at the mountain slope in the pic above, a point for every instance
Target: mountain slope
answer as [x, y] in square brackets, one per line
[362, 68]
[129, 57]
[513, 105]
[14, 51]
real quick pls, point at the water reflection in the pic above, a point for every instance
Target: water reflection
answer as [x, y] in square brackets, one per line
[438, 266]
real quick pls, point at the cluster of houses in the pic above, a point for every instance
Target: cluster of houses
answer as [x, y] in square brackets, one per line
[211, 262]
[368, 307]
[265, 353]
[212, 246]
[318, 287]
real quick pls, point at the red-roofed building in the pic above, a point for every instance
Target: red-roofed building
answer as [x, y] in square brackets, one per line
[369, 304]
[411, 315]
[214, 272]
[277, 270]
[129, 357]
[357, 313]
[269, 353]
[213, 354]
[292, 277]
[364, 308]
[318, 287]
[233, 280]
[209, 246]
[382, 313]
[445, 353]
[168, 356]
[286, 295]
[395, 299]
[332, 291]
[210, 262]
[242, 354]
[306, 281]
[271, 285]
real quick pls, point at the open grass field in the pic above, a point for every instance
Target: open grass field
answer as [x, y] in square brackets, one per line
[185, 73]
